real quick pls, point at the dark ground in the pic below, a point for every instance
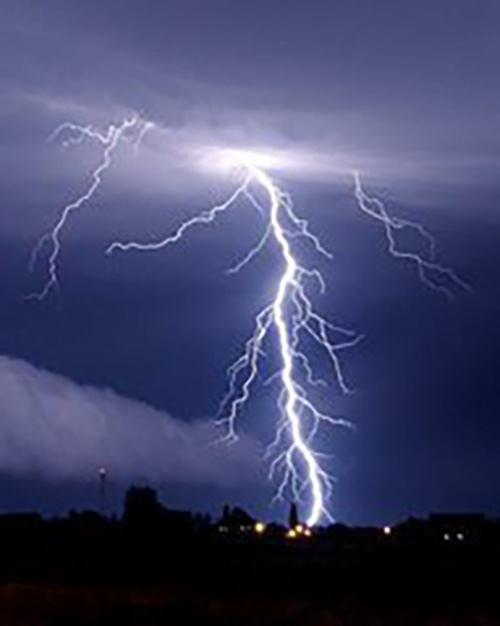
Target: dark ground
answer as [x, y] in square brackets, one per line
[104, 578]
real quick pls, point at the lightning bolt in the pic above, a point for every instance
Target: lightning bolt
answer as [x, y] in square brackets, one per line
[76, 134]
[429, 271]
[292, 316]
[297, 466]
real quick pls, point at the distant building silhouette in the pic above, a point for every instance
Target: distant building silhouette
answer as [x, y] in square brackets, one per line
[293, 516]
[142, 507]
[235, 520]
[457, 527]
[146, 515]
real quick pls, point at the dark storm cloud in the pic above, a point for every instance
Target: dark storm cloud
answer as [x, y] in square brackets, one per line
[408, 92]
[405, 92]
[52, 428]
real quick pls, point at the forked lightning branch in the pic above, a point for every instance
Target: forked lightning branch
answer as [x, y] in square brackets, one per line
[297, 464]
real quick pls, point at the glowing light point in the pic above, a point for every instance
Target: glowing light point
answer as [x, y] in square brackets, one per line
[229, 159]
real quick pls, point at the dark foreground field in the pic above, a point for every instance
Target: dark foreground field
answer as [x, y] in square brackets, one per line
[170, 582]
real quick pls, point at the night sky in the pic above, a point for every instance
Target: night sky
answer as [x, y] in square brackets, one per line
[125, 363]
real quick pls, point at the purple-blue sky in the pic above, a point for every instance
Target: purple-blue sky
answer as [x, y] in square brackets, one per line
[407, 92]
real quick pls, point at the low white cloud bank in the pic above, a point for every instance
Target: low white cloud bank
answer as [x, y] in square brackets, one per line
[56, 429]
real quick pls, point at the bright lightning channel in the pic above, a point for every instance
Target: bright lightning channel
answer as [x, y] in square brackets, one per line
[292, 314]
[295, 463]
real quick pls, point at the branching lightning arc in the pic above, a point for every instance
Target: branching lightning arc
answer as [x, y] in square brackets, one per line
[431, 273]
[295, 463]
[75, 135]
